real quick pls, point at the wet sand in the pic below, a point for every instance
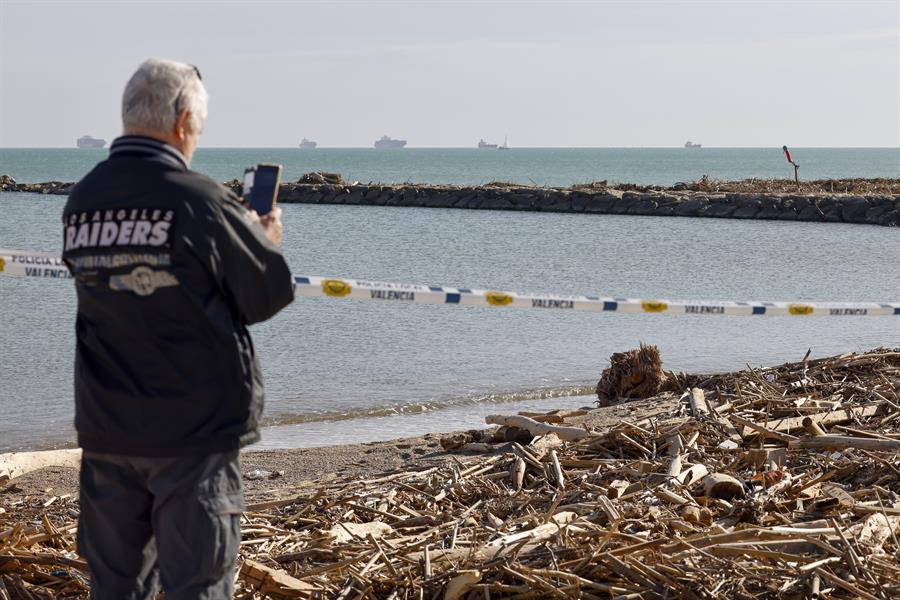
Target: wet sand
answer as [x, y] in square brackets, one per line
[302, 466]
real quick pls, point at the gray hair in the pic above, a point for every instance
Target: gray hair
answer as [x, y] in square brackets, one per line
[157, 91]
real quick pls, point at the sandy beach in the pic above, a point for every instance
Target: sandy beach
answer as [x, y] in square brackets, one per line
[516, 299]
[768, 482]
[304, 466]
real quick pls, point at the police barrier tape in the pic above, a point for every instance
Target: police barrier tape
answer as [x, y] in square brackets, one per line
[38, 264]
[32, 264]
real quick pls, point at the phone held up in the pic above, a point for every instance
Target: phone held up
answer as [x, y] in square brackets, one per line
[261, 187]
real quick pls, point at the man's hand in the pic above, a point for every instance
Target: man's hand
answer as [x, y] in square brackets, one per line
[271, 224]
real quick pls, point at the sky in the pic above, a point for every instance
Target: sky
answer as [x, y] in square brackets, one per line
[445, 74]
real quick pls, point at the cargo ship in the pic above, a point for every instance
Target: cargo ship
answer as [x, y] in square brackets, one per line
[386, 142]
[87, 141]
[690, 144]
[306, 144]
[484, 144]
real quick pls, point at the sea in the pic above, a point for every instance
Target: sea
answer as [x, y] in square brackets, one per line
[339, 371]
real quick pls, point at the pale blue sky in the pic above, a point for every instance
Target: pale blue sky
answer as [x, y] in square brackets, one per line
[444, 74]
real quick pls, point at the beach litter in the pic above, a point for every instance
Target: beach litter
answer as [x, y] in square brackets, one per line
[768, 482]
[263, 474]
[633, 374]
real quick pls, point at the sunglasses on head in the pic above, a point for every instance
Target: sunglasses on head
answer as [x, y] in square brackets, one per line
[178, 97]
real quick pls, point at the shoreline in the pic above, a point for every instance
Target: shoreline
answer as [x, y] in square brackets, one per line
[859, 201]
[303, 465]
[287, 432]
[765, 470]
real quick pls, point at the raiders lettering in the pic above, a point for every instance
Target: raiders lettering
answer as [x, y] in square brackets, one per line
[118, 227]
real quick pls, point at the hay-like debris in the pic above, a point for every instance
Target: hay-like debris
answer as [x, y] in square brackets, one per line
[757, 185]
[735, 493]
[632, 374]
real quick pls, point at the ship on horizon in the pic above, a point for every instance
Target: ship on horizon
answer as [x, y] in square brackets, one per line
[306, 144]
[87, 141]
[484, 144]
[387, 142]
[690, 144]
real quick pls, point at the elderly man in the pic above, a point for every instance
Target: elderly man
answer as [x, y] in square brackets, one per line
[170, 269]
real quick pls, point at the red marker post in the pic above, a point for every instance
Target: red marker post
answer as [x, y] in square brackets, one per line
[787, 153]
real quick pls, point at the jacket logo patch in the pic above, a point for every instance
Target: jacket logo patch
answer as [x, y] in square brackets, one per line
[118, 227]
[143, 281]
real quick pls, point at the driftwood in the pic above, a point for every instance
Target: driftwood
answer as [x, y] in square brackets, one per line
[518, 473]
[675, 450]
[554, 416]
[460, 585]
[698, 403]
[666, 506]
[842, 442]
[478, 440]
[838, 417]
[763, 430]
[16, 464]
[766, 457]
[812, 427]
[633, 374]
[535, 427]
[692, 475]
[558, 477]
[275, 583]
[721, 485]
[875, 530]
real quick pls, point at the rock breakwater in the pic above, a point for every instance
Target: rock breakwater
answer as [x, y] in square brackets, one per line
[872, 209]
[681, 200]
[8, 184]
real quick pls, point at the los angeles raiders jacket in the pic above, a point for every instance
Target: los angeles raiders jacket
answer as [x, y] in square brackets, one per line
[169, 272]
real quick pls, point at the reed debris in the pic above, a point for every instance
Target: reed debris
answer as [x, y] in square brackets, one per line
[727, 495]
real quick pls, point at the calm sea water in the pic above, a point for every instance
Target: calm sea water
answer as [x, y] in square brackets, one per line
[545, 166]
[339, 371]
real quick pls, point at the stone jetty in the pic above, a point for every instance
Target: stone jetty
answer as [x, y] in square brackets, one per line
[8, 184]
[873, 202]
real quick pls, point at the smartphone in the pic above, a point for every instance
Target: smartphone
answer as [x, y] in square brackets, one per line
[261, 187]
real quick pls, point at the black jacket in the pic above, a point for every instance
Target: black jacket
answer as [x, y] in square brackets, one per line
[169, 272]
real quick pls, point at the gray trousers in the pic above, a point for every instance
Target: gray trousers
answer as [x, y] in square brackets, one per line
[170, 520]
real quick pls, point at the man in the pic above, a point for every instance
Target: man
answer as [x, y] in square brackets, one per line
[169, 270]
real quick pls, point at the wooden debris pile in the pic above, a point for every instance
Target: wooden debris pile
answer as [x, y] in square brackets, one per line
[632, 374]
[320, 177]
[781, 482]
[854, 185]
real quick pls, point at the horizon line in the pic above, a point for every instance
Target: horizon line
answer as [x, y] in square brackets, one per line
[305, 150]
